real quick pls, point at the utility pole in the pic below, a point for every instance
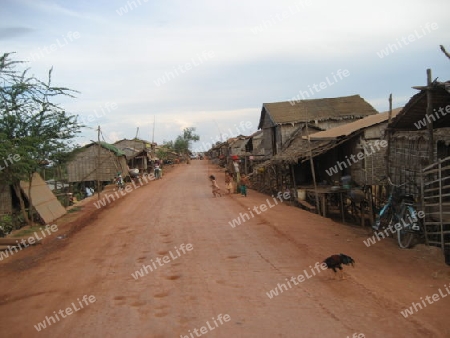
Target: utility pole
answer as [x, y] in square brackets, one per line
[390, 108]
[153, 135]
[220, 132]
[98, 163]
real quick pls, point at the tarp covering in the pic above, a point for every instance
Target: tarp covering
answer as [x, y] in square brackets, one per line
[45, 202]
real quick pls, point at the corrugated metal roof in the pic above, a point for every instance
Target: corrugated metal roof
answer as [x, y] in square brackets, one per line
[350, 128]
[316, 110]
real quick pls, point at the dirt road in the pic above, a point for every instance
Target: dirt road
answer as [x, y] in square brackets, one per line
[205, 278]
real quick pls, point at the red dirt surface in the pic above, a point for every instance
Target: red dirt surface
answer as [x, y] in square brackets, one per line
[228, 271]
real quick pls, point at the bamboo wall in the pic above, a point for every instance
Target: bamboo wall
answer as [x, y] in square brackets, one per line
[5, 199]
[83, 166]
[371, 169]
[407, 155]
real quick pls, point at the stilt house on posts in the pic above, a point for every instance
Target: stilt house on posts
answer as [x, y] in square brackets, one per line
[357, 149]
[419, 157]
[139, 153]
[284, 122]
[97, 162]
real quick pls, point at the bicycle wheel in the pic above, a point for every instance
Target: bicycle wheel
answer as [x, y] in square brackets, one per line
[406, 234]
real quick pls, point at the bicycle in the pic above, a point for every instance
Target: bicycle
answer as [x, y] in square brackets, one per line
[398, 209]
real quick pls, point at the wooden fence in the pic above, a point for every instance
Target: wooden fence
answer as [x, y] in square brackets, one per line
[436, 203]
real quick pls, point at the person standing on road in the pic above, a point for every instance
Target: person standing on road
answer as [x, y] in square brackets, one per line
[228, 182]
[214, 186]
[244, 184]
[157, 171]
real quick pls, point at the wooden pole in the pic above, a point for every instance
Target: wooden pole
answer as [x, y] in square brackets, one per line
[390, 108]
[313, 171]
[98, 163]
[388, 138]
[245, 165]
[153, 133]
[429, 113]
[294, 184]
[441, 225]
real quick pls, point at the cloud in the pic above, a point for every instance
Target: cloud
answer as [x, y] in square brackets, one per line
[118, 58]
[13, 32]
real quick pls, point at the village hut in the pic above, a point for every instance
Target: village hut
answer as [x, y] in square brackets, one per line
[219, 153]
[284, 124]
[419, 157]
[355, 150]
[359, 150]
[96, 163]
[419, 135]
[237, 150]
[280, 120]
[255, 148]
[139, 153]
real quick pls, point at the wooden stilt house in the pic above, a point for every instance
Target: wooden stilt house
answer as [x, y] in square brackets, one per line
[419, 157]
[96, 162]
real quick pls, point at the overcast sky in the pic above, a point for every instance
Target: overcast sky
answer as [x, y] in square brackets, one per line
[212, 64]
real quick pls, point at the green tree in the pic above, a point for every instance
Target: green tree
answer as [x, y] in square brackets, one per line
[184, 141]
[181, 145]
[188, 135]
[165, 149]
[32, 127]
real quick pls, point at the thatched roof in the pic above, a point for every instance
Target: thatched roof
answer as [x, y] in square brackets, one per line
[138, 143]
[416, 108]
[299, 150]
[238, 145]
[354, 127]
[348, 107]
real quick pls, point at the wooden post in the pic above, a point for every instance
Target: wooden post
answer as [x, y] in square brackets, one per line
[388, 136]
[441, 225]
[371, 218]
[98, 164]
[422, 192]
[388, 150]
[313, 171]
[294, 184]
[430, 113]
[390, 108]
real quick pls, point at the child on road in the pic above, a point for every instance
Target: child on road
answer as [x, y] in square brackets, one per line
[244, 184]
[214, 186]
[228, 181]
